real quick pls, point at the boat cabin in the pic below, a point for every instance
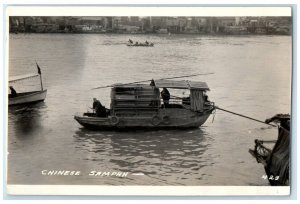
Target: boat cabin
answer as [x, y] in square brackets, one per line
[154, 105]
[145, 100]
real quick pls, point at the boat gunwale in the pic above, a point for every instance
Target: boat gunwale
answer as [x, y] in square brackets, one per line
[26, 94]
[205, 112]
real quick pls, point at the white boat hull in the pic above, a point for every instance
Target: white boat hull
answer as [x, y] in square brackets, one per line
[27, 97]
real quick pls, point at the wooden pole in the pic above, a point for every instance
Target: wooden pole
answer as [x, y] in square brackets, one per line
[41, 82]
[40, 73]
[100, 87]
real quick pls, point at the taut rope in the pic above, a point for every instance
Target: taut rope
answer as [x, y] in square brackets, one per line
[244, 116]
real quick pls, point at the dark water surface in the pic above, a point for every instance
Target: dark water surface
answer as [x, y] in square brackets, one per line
[251, 76]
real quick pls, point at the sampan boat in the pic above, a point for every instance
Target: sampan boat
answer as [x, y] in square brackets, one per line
[141, 106]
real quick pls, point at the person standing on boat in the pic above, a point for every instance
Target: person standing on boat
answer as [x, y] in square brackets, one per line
[99, 109]
[165, 94]
[13, 92]
[152, 83]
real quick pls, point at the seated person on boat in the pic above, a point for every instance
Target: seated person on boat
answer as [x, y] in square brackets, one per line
[13, 92]
[99, 109]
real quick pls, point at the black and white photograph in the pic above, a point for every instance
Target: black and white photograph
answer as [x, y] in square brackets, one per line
[194, 98]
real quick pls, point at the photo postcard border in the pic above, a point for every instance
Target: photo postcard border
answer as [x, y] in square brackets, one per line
[293, 81]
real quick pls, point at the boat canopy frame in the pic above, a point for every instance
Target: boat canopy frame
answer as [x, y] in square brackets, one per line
[182, 84]
[13, 79]
[197, 91]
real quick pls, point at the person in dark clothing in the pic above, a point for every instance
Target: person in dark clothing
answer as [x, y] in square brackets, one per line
[13, 92]
[152, 83]
[130, 41]
[99, 109]
[205, 97]
[165, 94]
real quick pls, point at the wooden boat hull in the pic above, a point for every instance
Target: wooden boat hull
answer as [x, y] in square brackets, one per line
[276, 161]
[27, 98]
[140, 45]
[165, 118]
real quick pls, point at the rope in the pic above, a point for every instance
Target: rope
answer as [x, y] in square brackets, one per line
[244, 116]
[214, 114]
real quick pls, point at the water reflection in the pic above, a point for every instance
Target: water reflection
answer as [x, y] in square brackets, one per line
[26, 119]
[168, 153]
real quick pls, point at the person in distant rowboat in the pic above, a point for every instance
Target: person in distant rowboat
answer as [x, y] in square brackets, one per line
[147, 42]
[165, 94]
[130, 41]
[98, 108]
[13, 92]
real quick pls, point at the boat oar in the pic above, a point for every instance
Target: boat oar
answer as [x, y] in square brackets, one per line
[101, 87]
[260, 121]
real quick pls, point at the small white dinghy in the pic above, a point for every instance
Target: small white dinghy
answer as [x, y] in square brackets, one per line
[15, 98]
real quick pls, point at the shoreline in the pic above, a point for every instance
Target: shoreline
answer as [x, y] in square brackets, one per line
[159, 34]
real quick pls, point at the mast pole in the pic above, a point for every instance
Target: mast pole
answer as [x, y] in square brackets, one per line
[40, 73]
[41, 82]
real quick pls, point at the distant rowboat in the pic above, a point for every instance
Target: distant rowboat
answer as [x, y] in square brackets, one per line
[140, 44]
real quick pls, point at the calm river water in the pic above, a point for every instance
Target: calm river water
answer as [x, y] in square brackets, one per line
[251, 76]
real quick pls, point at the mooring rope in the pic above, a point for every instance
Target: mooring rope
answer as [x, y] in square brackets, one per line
[214, 114]
[260, 121]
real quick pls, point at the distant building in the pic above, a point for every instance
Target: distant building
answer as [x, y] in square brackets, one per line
[129, 29]
[153, 24]
[108, 23]
[146, 24]
[202, 24]
[226, 21]
[116, 22]
[173, 24]
[134, 20]
[125, 20]
[212, 25]
[44, 28]
[158, 23]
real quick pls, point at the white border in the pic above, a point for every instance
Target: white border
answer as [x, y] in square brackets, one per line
[146, 11]
[142, 190]
[148, 190]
